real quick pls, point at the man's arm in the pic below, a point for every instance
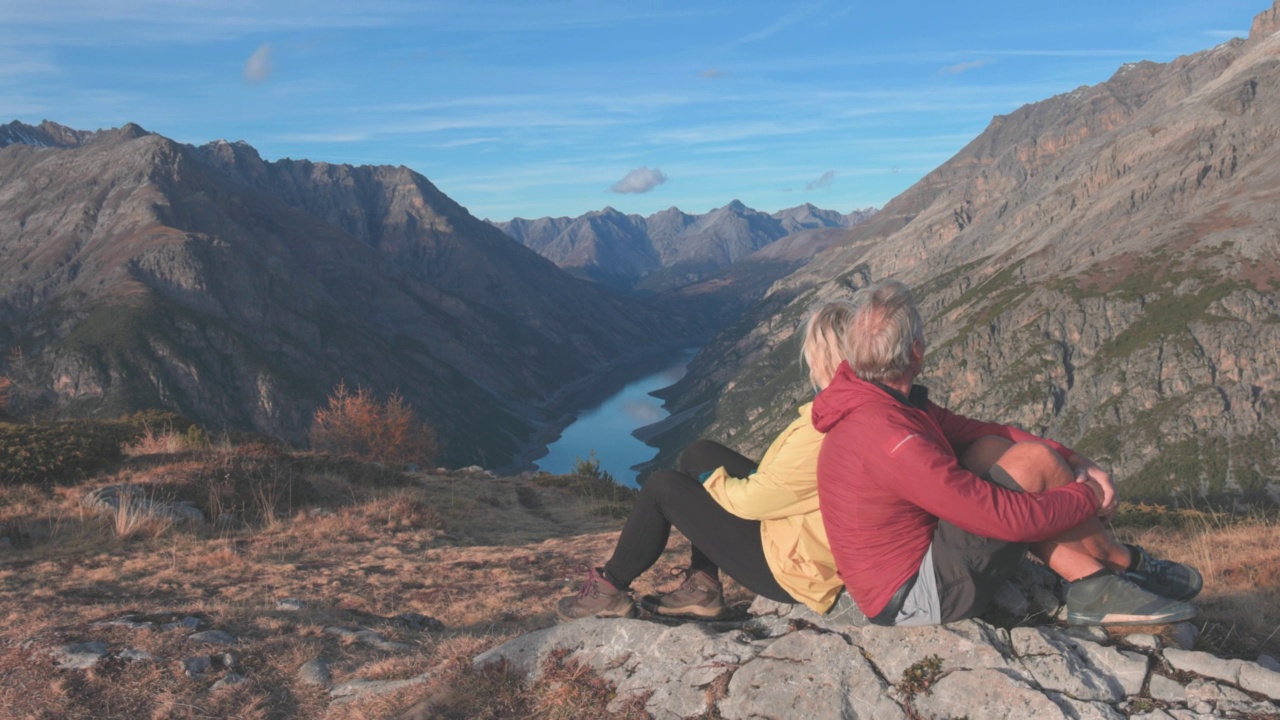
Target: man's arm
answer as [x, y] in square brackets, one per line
[962, 431]
[940, 486]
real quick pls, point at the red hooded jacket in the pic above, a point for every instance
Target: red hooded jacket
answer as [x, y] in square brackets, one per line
[888, 471]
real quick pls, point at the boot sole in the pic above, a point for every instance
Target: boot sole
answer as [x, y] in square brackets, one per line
[604, 614]
[694, 613]
[1122, 619]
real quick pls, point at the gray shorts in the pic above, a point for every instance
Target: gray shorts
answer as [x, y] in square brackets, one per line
[962, 572]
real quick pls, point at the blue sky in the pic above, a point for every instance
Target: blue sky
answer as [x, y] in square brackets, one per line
[557, 108]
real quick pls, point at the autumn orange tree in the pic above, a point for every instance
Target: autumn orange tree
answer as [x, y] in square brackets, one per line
[357, 425]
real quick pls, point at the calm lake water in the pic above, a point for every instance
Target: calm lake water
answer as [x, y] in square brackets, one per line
[607, 427]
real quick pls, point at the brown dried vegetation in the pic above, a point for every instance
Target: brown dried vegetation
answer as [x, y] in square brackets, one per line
[360, 545]
[358, 426]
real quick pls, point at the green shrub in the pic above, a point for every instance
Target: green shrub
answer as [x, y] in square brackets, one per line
[591, 468]
[59, 452]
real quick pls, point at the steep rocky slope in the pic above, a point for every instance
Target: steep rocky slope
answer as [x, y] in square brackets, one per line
[1100, 267]
[138, 272]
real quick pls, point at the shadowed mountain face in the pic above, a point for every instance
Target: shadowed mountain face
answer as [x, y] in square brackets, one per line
[137, 272]
[1100, 267]
[669, 249]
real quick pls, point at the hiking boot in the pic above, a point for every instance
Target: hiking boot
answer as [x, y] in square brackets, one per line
[597, 598]
[1165, 578]
[700, 595]
[1107, 599]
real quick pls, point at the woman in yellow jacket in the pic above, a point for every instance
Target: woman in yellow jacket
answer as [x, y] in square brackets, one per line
[760, 524]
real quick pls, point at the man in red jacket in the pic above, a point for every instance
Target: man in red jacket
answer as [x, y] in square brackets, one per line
[928, 512]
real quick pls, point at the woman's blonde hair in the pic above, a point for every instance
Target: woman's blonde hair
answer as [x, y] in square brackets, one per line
[823, 341]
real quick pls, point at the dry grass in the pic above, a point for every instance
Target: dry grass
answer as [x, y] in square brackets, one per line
[1239, 557]
[156, 442]
[486, 557]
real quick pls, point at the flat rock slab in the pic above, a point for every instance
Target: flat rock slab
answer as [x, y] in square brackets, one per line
[1079, 668]
[793, 667]
[1250, 676]
[809, 675]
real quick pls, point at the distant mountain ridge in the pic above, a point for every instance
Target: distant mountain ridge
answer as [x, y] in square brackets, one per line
[139, 272]
[1101, 267]
[667, 249]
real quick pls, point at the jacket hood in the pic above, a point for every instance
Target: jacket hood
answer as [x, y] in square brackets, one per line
[846, 393]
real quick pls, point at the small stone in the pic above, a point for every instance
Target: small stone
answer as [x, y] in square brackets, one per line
[80, 656]
[418, 621]
[1143, 641]
[131, 655]
[227, 681]
[1269, 663]
[227, 660]
[186, 623]
[1166, 690]
[214, 637]
[290, 604]
[127, 622]
[315, 672]
[6, 543]
[196, 666]
[1184, 635]
[411, 467]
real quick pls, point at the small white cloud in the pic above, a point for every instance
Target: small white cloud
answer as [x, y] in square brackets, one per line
[964, 67]
[712, 73]
[258, 67]
[827, 178]
[640, 180]
[1227, 34]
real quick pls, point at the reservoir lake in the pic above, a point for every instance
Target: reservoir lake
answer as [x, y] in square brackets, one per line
[606, 427]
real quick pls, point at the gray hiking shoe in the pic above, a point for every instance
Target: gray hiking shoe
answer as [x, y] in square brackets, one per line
[1165, 578]
[700, 595]
[1114, 600]
[597, 598]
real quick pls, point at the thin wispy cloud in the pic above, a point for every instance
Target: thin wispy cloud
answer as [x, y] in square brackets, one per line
[712, 73]
[325, 137]
[778, 25]
[259, 66]
[823, 181]
[641, 180]
[1226, 34]
[964, 67]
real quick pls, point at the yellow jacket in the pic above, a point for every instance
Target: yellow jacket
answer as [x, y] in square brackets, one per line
[783, 495]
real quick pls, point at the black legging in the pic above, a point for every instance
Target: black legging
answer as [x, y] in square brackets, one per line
[720, 539]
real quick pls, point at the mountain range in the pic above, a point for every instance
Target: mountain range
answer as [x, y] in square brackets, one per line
[139, 272]
[1101, 267]
[668, 249]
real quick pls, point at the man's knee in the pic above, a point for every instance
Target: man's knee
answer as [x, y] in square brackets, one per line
[1036, 467]
[984, 452]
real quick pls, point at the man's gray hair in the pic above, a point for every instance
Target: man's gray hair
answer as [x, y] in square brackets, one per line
[878, 344]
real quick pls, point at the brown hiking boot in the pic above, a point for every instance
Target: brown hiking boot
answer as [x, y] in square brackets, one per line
[700, 595]
[597, 598]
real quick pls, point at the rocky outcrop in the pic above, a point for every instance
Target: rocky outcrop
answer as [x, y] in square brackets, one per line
[1101, 267]
[847, 670]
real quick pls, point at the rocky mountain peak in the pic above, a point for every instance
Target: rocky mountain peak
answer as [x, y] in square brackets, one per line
[46, 134]
[1266, 23]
